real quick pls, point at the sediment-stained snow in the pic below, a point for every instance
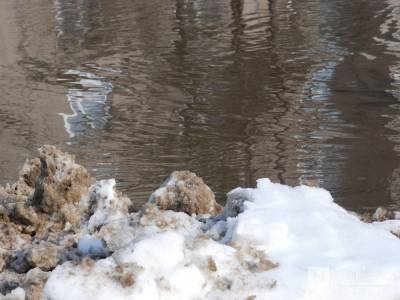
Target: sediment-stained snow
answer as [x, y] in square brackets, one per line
[66, 236]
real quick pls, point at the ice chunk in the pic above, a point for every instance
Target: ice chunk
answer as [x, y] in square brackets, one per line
[90, 246]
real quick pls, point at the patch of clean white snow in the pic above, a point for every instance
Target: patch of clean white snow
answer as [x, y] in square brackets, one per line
[324, 252]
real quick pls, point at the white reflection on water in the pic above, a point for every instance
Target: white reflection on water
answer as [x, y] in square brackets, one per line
[87, 98]
[327, 120]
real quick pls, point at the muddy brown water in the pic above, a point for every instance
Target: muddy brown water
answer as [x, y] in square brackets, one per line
[300, 91]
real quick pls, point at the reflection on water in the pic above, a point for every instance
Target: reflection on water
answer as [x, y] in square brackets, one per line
[298, 91]
[88, 102]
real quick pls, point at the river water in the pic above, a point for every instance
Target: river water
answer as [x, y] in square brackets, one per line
[300, 91]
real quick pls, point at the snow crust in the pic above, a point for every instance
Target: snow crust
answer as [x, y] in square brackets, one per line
[270, 242]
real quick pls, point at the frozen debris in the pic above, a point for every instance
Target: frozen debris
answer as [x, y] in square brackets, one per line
[60, 182]
[41, 217]
[26, 214]
[34, 283]
[380, 214]
[43, 255]
[9, 281]
[185, 191]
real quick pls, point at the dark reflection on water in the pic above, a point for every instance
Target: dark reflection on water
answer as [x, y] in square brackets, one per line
[298, 91]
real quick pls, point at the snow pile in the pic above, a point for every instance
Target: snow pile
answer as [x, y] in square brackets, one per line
[287, 243]
[168, 257]
[269, 242]
[324, 252]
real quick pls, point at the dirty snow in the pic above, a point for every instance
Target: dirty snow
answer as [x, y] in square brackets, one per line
[288, 243]
[269, 242]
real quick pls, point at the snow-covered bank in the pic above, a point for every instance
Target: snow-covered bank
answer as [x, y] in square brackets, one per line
[269, 242]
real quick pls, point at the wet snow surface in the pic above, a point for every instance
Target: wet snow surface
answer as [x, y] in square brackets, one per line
[268, 242]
